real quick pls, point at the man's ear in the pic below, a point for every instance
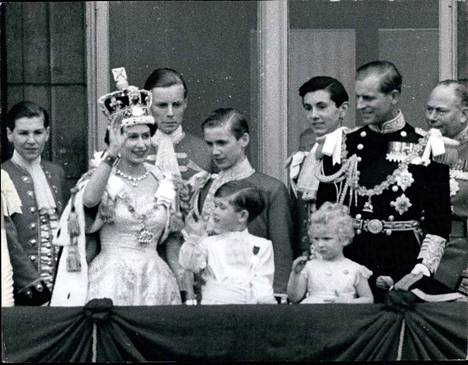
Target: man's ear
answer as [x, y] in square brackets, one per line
[243, 216]
[395, 94]
[343, 109]
[9, 134]
[464, 114]
[244, 139]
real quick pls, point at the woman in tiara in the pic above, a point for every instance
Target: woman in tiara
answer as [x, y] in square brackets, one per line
[131, 205]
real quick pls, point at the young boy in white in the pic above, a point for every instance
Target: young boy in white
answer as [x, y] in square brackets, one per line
[330, 278]
[236, 267]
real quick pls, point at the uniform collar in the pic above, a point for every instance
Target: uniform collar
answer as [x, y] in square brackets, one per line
[240, 170]
[390, 126]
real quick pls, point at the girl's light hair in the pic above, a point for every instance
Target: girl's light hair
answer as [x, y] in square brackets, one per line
[336, 216]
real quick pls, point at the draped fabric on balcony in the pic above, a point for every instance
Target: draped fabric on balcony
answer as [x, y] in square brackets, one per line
[101, 332]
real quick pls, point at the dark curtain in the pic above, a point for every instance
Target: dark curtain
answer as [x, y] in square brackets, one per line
[432, 331]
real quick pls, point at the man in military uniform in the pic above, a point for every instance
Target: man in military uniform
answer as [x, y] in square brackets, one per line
[447, 110]
[38, 183]
[398, 197]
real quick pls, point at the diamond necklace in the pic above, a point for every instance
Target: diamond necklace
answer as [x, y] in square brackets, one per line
[133, 180]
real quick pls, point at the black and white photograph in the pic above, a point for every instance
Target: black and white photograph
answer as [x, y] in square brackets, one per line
[234, 181]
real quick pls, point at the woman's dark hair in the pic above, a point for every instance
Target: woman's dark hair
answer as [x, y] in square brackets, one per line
[222, 116]
[26, 109]
[243, 195]
[152, 128]
[165, 77]
[337, 91]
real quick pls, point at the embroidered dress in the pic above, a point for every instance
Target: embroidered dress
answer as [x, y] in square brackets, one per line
[326, 278]
[126, 270]
[237, 268]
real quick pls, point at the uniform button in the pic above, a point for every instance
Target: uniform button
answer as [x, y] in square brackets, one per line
[32, 242]
[32, 209]
[25, 179]
[358, 216]
[32, 258]
[395, 188]
[403, 133]
[360, 146]
[33, 225]
[359, 158]
[30, 193]
[48, 245]
[363, 134]
[391, 218]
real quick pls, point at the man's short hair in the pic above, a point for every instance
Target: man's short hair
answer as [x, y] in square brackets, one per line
[165, 77]
[390, 76]
[336, 90]
[222, 116]
[243, 195]
[26, 109]
[460, 90]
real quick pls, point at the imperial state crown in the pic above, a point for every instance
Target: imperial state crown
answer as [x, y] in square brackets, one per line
[128, 102]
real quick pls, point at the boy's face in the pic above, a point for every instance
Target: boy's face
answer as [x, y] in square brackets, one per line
[326, 241]
[29, 137]
[225, 217]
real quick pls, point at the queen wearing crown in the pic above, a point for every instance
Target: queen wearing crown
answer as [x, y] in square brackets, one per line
[129, 206]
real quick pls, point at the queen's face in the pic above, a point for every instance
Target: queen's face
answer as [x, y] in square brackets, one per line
[138, 144]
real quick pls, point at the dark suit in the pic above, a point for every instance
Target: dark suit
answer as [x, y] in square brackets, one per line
[274, 223]
[29, 254]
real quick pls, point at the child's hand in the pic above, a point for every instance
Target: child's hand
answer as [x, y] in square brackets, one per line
[384, 282]
[298, 264]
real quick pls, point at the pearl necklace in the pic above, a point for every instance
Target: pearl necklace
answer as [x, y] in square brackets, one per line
[133, 180]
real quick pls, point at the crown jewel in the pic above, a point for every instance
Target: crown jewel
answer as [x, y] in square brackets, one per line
[129, 101]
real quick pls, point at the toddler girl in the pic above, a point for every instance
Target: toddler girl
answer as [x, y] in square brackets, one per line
[331, 277]
[236, 267]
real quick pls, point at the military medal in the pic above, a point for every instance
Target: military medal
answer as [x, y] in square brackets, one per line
[404, 179]
[368, 207]
[401, 204]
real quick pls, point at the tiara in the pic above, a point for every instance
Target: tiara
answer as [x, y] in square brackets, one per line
[128, 101]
